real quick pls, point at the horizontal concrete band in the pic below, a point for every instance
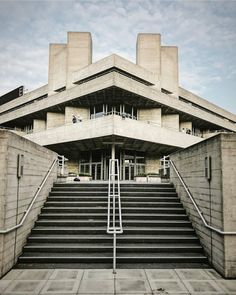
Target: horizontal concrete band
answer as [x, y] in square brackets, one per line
[113, 125]
[125, 83]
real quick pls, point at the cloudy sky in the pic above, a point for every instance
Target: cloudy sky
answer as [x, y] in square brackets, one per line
[204, 31]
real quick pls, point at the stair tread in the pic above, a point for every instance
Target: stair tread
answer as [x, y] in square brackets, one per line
[131, 246]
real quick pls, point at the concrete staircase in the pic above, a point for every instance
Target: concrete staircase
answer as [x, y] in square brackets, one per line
[72, 228]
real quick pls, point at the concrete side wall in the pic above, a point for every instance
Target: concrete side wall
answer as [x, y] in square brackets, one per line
[215, 203]
[170, 121]
[55, 120]
[170, 69]
[228, 160]
[150, 115]
[148, 52]
[37, 161]
[79, 53]
[73, 166]
[39, 125]
[57, 67]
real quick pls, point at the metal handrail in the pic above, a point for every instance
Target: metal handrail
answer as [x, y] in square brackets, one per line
[196, 206]
[113, 196]
[26, 212]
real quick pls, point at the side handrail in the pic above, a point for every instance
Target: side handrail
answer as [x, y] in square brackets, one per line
[114, 226]
[26, 212]
[196, 206]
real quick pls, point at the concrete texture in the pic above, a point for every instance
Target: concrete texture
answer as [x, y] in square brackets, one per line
[169, 69]
[113, 125]
[57, 67]
[54, 120]
[39, 125]
[79, 53]
[170, 121]
[215, 198]
[152, 115]
[126, 281]
[148, 53]
[16, 194]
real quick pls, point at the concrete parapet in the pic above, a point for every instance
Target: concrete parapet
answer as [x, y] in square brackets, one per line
[215, 196]
[80, 113]
[39, 125]
[170, 121]
[16, 193]
[55, 120]
[152, 115]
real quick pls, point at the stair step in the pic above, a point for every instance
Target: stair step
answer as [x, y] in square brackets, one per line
[92, 222]
[127, 216]
[126, 230]
[102, 238]
[107, 257]
[104, 209]
[72, 225]
[104, 204]
[98, 247]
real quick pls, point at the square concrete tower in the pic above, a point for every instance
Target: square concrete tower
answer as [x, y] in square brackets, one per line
[64, 59]
[148, 52]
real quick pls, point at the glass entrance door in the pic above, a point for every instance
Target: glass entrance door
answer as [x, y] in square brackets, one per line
[129, 171]
[96, 171]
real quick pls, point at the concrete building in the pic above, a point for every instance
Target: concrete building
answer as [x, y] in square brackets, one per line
[138, 110]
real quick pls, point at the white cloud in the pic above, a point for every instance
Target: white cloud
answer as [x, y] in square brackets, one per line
[205, 32]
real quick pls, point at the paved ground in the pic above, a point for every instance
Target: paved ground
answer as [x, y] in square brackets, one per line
[126, 281]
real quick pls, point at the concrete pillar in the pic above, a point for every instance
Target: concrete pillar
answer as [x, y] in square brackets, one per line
[171, 121]
[55, 120]
[39, 125]
[169, 69]
[148, 53]
[81, 113]
[79, 53]
[57, 67]
[152, 165]
[152, 115]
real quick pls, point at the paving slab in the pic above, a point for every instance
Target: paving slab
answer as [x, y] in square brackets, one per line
[128, 286]
[3, 285]
[26, 287]
[130, 274]
[168, 287]
[161, 274]
[213, 274]
[35, 274]
[98, 274]
[227, 285]
[91, 286]
[12, 274]
[61, 287]
[193, 274]
[66, 274]
[203, 287]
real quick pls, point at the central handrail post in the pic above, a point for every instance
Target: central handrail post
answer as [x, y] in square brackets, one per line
[114, 226]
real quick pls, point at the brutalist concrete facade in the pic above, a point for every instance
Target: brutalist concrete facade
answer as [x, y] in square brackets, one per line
[138, 107]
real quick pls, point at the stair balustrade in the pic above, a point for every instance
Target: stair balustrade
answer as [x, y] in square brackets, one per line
[114, 218]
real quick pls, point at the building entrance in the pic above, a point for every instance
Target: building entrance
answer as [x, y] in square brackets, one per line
[96, 163]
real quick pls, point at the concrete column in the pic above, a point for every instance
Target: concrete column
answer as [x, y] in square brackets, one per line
[39, 125]
[169, 69]
[55, 120]
[148, 53]
[79, 53]
[170, 121]
[57, 67]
